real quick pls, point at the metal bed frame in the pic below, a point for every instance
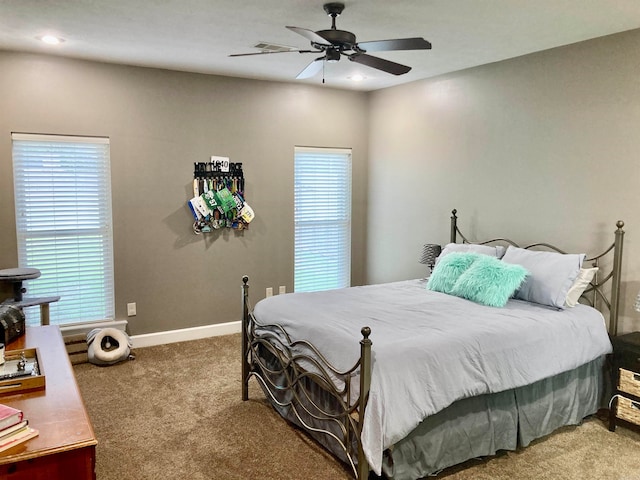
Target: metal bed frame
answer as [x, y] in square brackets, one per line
[286, 369]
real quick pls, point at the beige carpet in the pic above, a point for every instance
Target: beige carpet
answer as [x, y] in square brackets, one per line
[175, 413]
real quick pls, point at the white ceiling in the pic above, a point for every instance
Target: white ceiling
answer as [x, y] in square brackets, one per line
[198, 35]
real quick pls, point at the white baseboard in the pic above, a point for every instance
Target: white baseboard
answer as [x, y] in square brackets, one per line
[185, 334]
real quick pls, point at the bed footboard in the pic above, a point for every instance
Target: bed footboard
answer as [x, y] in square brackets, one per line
[291, 373]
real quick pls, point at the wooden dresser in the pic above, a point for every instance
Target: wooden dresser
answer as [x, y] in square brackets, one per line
[66, 445]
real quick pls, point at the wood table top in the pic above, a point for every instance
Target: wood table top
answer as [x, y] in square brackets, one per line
[58, 411]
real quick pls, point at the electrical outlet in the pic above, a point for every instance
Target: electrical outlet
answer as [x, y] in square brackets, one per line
[269, 292]
[282, 289]
[131, 309]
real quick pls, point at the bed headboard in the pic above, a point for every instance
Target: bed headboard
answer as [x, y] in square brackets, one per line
[595, 294]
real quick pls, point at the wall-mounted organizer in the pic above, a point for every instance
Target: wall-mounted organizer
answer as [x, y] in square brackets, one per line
[218, 196]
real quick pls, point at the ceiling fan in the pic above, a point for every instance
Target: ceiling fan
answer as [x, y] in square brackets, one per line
[334, 43]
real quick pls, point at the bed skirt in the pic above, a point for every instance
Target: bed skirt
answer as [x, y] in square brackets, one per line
[481, 426]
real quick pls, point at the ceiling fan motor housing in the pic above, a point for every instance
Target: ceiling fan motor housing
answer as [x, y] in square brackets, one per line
[340, 38]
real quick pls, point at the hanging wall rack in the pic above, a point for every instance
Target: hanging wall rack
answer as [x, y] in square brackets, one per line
[219, 196]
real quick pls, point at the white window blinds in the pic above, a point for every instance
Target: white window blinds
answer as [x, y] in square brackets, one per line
[63, 220]
[322, 196]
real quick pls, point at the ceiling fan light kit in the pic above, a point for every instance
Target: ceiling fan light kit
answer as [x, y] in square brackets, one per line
[334, 43]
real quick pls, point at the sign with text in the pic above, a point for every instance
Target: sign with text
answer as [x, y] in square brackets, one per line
[222, 162]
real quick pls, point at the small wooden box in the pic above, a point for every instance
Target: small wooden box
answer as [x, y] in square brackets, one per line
[628, 410]
[35, 381]
[629, 382]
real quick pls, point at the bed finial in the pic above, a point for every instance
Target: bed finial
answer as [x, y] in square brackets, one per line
[454, 212]
[366, 331]
[245, 279]
[619, 224]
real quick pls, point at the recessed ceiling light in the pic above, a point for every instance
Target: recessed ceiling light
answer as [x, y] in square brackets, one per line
[357, 77]
[51, 39]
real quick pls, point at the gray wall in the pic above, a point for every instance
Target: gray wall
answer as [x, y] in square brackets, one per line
[542, 147]
[539, 147]
[160, 123]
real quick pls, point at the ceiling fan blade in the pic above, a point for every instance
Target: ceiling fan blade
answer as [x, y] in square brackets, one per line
[312, 69]
[310, 35]
[268, 53]
[380, 63]
[416, 43]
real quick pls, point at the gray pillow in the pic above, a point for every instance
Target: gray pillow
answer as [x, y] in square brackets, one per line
[551, 275]
[493, 251]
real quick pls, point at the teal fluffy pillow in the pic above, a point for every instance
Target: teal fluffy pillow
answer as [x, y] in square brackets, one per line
[489, 281]
[448, 270]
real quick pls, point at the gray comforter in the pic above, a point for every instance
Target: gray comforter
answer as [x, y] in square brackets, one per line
[431, 349]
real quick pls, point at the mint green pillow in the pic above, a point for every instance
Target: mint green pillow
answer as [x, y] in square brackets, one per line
[489, 281]
[448, 270]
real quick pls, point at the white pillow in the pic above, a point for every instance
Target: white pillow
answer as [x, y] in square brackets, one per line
[580, 285]
[491, 250]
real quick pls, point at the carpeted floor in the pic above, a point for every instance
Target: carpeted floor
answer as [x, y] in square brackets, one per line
[175, 413]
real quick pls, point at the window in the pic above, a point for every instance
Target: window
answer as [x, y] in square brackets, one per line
[63, 222]
[322, 196]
